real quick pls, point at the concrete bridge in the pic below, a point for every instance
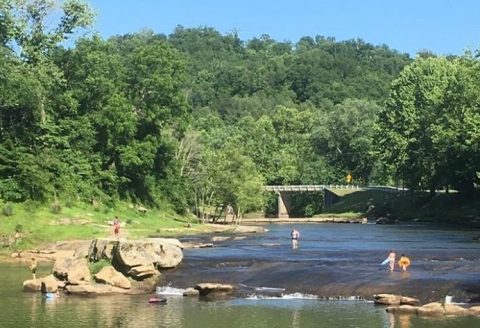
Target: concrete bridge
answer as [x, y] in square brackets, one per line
[330, 197]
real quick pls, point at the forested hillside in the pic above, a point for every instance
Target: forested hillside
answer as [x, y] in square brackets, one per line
[200, 118]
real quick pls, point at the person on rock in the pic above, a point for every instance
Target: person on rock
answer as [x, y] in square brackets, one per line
[33, 267]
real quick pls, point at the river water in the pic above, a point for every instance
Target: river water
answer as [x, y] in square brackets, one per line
[338, 261]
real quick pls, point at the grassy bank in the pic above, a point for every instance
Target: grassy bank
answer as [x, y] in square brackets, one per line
[35, 224]
[452, 208]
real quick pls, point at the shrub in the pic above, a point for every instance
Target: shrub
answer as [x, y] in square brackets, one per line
[97, 266]
[31, 205]
[19, 228]
[56, 208]
[7, 210]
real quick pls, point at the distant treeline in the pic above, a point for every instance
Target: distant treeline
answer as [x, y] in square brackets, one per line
[198, 118]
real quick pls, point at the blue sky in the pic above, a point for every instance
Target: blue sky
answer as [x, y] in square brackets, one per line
[442, 26]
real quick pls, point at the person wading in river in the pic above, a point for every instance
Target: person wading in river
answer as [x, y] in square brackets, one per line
[295, 237]
[391, 259]
[404, 262]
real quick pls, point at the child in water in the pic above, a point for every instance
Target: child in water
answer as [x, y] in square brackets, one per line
[404, 262]
[33, 267]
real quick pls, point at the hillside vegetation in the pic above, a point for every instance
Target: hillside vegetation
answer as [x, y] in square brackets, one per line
[197, 119]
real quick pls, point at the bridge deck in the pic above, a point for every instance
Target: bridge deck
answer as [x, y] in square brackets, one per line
[330, 186]
[309, 187]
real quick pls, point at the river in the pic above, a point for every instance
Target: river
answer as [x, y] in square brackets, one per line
[336, 261]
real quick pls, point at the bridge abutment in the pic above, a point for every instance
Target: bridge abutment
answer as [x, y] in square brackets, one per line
[282, 205]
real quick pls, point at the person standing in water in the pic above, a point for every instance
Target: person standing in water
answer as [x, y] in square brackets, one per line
[295, 234]
[33, 267]
[404, 262]
[391, 260]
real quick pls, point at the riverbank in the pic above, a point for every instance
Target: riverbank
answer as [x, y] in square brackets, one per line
[323, 219]
[31, 226]
[453, 208]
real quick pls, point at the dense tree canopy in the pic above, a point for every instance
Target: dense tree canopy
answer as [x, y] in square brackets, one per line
[427, 129]
[198, 118]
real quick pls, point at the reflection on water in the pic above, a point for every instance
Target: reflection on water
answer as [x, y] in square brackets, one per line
[399, 321]
[21, 309]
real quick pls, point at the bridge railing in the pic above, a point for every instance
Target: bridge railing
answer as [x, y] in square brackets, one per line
[330, 186]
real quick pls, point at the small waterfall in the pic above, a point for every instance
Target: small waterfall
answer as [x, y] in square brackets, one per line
[167, 290]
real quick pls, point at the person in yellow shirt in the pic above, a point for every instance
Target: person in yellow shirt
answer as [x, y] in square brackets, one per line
[349, 178]
[404, 262]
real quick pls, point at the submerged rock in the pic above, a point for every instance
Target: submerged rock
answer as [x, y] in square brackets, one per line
[207, 288]
[191, 292]
[431, 309]
[48, 284]
[386, 220]
[94, 289]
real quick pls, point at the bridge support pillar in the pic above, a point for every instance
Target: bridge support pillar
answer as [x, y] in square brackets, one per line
[282, 205]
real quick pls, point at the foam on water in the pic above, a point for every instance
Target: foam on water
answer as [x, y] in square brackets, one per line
[298, 296]
[167, 290]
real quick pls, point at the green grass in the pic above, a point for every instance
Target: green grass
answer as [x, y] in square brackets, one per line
[38, 224]
[348, 215]
[358, 201]
[95, 267]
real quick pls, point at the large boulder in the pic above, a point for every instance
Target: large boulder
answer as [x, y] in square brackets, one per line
[146, 285]
[475, 310]
[169, 252]
[48, 284]
[108, 275]
[141, 272]
[431, 309]
[455, 310]
[207, 288]
[158, 252]
[101, 249]
[73, 270]
[387, 299]
[404, 300]
[94, 289]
